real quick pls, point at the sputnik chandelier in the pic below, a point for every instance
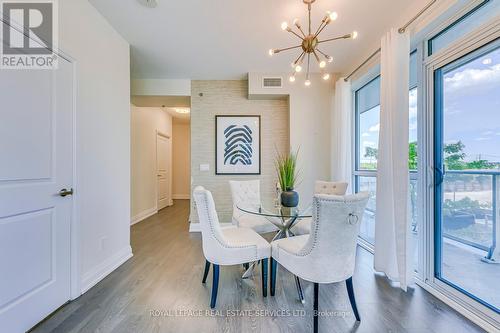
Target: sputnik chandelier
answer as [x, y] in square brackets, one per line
[309, 44]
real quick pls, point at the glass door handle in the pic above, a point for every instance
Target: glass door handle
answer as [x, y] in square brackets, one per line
[439, 176]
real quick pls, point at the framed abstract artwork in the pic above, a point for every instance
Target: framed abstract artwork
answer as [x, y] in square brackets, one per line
[237, 145]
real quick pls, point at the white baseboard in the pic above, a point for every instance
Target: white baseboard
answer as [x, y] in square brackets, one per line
[195, 227]
[143, 215]
[102, 270]
[181, 196]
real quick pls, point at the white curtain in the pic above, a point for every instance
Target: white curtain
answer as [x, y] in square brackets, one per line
[392, 226]
[342, 133]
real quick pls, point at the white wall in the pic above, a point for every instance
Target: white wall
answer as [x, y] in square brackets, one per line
[181, 159]
[310, 109]
[145, 122]
[102, 187]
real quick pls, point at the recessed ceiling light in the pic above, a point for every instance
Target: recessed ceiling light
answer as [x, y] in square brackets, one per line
[182, 110]
[148, 3]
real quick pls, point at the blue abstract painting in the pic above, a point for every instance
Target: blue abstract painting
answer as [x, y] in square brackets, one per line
[238, 145]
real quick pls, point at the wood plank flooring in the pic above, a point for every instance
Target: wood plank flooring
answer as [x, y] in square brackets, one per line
[160, 290]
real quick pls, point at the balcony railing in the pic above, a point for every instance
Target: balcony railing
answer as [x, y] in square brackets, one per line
[471, 209]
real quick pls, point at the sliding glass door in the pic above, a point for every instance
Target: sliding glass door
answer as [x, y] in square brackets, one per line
[467, 175]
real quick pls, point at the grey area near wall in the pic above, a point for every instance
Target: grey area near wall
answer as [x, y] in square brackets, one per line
[231, 98]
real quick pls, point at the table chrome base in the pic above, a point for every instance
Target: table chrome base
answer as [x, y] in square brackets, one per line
[284, 232]
[249, 272]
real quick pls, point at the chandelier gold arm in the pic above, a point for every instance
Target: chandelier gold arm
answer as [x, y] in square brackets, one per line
[335, 38]
[293, 32]
[301, 31]
[299, 59]
[321, 27]
[323, 53]
[286, 49]
[316, 56]
[308, 64]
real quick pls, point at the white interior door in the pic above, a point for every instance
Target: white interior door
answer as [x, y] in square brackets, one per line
[163, 156]
[36, 162]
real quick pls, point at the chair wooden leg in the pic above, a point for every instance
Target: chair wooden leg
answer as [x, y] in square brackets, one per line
[274, 267]
[205, 273]
[315, 307]
[263, 268]
[350, 292]
[215, 286]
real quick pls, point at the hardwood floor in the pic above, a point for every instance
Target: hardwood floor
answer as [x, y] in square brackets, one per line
[160, 290]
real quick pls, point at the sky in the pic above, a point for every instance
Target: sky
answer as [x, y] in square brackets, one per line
[471, 110]
[472, 107]
[369, 126]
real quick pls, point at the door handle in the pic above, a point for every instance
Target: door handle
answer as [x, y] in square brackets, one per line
[64, 192]
[439, 176]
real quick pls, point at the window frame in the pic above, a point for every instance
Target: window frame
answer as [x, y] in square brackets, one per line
[357, 172]
[357, 115]
[455, 22]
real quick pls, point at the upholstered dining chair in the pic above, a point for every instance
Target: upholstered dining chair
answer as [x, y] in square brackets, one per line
[328, 254]
[247, 194]
[228, 246]
[303, 227]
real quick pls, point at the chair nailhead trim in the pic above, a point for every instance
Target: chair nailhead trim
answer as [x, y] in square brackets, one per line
[212, 231]
[316, 229]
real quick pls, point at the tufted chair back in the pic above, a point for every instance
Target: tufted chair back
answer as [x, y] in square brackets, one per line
[332, 188]
[212, 237]
[245, 193]
[330, 251]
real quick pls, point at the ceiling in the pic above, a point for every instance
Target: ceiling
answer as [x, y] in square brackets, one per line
[225, 39]
[183, 118]
[167, 103]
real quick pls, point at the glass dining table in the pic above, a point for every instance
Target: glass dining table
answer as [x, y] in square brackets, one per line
[284, 218]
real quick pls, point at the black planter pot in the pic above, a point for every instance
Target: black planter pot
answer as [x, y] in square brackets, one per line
[289, 198]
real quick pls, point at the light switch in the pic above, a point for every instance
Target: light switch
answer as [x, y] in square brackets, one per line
[204, 167]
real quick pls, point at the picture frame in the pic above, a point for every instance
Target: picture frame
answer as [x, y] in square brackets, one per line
[237, 145]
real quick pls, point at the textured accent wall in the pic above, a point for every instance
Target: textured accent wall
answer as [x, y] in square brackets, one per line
[230, 98]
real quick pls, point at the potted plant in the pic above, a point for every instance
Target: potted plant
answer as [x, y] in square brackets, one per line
[286, 166]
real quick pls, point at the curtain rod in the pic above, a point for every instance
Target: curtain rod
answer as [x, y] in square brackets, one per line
[400, 30]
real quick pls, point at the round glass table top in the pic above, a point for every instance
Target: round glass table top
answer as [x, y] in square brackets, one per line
[276, 211]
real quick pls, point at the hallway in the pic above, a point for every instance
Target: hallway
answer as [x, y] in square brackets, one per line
[159, 290]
